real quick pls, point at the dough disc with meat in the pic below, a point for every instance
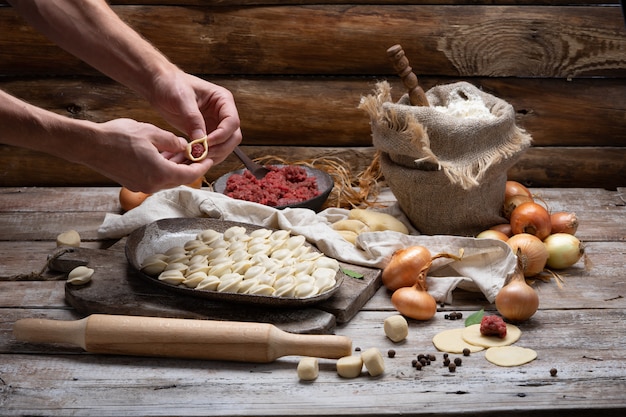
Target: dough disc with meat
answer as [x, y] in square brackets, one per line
[452, 341]
[471, 334]
[510, 355]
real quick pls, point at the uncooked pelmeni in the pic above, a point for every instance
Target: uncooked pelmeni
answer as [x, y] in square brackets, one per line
[272, 262]
[80, 275]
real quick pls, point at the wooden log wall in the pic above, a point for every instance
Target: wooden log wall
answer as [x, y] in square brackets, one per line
[298, 69]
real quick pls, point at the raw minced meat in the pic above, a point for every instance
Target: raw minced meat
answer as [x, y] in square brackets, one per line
[493, 326]
[282, 186]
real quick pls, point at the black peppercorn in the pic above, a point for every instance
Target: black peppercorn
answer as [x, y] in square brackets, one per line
[452, 367]
[553, 372]
[466, 352]
[458, 361]
[391, 353]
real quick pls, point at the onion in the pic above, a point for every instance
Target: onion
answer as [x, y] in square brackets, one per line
[515, 188]
[415, 301]
[512, 202]
[504, 228]
[564, 250]
[564, 222]
[516, 300]
[531, 218]
[532, 252]
[492, 234]
[404, 267]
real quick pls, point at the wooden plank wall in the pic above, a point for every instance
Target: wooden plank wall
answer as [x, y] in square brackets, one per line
[299, 68]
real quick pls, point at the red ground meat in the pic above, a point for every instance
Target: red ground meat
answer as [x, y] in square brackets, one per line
[282, 186]
[493, 326]
[197, 149]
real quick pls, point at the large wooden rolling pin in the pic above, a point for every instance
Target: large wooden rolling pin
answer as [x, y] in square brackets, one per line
[181, 338]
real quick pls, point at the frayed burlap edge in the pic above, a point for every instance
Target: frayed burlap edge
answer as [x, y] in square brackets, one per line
[467, 174]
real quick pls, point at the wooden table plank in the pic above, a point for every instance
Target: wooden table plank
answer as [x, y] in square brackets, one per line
[589, 368]
[580, 330]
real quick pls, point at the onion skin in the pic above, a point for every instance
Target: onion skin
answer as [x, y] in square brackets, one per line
[564, 250]
[564, 222]
[517, 301]
[405, 266]
[531, 218]
[415, 303]
[532, 252]
[492, 234]
[515, 188]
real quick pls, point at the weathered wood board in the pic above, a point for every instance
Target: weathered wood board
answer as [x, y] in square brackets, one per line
[118, 289]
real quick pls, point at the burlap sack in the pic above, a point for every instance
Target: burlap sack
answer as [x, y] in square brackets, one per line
[446, 163]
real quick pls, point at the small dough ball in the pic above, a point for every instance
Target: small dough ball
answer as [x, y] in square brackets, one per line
[69, 238]
[396, 328]
[377, 221]
[308, 369]
[349, 366]
[374, 362]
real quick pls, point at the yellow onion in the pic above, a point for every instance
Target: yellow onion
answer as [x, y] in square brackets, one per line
[531, 218]
[492, 234]
[415, 301]
[516, 300]
[405, 266]
[532, 252]
[564, 250]
[515, 188]
[564, 222]
[503, 228]
[512, 202]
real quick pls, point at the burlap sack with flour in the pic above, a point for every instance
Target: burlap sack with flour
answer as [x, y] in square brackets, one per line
[446, 163]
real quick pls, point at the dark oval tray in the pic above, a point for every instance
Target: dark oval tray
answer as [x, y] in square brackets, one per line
[163, 234]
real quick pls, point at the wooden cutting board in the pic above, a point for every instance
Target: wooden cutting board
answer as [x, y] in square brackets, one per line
[116, 288]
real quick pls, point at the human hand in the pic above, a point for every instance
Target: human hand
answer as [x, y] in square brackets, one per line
[141, 156]
[197, 107]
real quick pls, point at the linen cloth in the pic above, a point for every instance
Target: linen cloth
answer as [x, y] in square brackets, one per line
[484, 266]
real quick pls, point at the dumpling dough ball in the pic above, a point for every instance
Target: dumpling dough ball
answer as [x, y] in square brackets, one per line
[373, 361]
[308, 369]
[396, 328]
[349, 366]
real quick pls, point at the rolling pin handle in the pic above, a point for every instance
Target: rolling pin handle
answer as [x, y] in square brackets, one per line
[51, 331]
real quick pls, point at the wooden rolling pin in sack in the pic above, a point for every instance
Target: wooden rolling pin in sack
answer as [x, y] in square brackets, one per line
[181, 338]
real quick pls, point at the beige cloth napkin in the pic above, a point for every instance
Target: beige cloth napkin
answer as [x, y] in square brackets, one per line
[484, 266]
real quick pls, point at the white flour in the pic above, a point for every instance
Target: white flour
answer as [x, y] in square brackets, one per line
[464, 105]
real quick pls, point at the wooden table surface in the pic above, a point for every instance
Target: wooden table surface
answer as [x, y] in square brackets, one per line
[580, 330]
